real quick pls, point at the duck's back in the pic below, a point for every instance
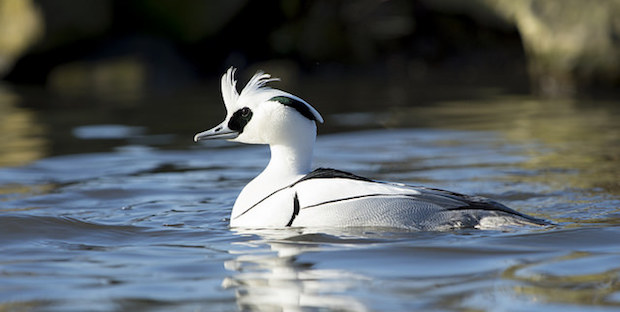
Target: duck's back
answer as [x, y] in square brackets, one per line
[333, 198]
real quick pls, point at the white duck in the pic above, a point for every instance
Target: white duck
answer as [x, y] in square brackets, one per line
[287, 193]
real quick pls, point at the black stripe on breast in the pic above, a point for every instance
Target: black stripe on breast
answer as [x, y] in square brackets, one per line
[295, 210]
[260, 201]
[319, 173]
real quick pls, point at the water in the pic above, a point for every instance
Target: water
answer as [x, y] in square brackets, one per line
[118, 210]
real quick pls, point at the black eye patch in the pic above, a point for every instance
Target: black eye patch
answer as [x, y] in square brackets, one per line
[297, 105]
[239, 119]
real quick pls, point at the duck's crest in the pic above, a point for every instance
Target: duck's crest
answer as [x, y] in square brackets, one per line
[229, 86]
[256, 87]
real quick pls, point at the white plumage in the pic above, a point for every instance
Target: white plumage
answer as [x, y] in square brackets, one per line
[287, 193]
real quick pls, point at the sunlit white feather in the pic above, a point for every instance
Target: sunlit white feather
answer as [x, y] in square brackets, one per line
[277, 197]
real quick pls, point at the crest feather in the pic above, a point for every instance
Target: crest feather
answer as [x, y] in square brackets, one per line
[258, 81]
[229, 87]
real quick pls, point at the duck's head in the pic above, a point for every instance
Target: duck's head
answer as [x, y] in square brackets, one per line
[260, 114]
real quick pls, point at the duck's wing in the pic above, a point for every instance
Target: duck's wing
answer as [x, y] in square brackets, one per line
[329, 186]
[332, 197]
[456, 202]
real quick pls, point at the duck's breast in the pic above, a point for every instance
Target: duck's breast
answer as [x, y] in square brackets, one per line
[273, 210]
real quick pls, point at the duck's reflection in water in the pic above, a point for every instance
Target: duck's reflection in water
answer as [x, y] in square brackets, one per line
[270, 277]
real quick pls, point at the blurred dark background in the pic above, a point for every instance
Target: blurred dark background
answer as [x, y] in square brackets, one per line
[555, 48]
[87, 76]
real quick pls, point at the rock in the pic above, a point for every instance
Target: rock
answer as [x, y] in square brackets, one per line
[21, 26]
[570, 44]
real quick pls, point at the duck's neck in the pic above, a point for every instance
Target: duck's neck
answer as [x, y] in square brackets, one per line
[289, 161]
[291, 156]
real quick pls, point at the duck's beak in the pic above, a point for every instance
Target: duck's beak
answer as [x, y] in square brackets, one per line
[219, 132]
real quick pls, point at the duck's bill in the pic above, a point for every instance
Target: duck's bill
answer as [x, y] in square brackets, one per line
[220, 132]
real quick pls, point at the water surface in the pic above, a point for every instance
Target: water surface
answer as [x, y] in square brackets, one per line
[115, 209]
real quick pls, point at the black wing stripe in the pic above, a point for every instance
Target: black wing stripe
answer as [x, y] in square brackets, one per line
[360, 197]
[329, 173]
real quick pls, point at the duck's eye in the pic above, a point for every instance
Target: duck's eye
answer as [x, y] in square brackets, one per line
[239, 119]
[245, 112]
